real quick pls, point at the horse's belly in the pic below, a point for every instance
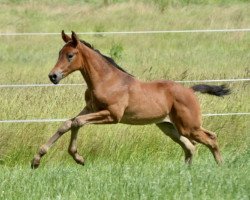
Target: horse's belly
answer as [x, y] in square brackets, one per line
[148, 103]
[143, 117]
[140, 121]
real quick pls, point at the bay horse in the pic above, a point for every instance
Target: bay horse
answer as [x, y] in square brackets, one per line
[114, 96]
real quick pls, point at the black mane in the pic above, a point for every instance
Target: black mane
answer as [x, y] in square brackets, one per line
[109, 59]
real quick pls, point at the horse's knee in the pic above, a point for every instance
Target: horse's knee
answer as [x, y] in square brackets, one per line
[65, 126]
[76, 123]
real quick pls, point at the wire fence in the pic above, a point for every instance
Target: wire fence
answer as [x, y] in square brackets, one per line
[82, 84]
[123, 33]
[60, 85]
[62, 120]
[132, 32]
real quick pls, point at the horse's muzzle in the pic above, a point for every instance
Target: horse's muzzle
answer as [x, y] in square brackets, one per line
[55, 77]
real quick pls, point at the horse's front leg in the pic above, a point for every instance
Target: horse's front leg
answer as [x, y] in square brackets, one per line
[101, 117]
[65, 127]
[72, 149]
[74, 124]
[73, 146]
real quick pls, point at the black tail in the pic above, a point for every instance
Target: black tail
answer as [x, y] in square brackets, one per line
[220, 90]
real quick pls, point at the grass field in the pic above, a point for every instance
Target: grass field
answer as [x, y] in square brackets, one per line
[123, 162]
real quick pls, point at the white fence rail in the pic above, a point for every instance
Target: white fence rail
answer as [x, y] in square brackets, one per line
[123, 33]
[62, 120]
[133, 32]
[82, 84]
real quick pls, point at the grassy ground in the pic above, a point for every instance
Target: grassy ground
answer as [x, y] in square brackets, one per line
[123, 162]
[159, 179]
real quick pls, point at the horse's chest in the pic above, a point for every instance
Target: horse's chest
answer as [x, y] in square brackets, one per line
[101, 99]
[96, 101]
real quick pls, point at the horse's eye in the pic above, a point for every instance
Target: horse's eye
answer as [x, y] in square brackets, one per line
[70, 56]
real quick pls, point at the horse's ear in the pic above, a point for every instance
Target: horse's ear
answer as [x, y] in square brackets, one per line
[65, 37]
[74, 38]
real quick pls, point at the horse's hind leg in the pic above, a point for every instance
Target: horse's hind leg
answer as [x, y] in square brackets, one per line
[210, 140]
[189, 149]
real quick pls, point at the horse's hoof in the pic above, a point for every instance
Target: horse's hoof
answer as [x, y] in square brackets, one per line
[35, 163]
[80, 163]
[80, 160]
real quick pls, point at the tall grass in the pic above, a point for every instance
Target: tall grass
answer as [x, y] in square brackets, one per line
[123, 162]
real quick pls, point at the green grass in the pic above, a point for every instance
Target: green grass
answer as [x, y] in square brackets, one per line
[151, 179]
[123, 162]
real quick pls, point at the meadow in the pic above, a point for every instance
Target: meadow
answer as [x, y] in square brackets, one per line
[123, 162]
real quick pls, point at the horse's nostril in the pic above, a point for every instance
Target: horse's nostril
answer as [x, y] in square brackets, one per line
[54, 76]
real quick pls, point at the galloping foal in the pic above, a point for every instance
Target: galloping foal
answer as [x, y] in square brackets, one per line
[114, 96]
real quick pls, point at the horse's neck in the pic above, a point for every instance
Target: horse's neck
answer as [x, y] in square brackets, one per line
[96, 70]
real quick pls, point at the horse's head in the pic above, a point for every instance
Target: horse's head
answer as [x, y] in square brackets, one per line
[69, 59]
